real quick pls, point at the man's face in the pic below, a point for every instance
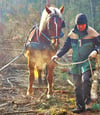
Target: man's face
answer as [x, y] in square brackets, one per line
[81, 27]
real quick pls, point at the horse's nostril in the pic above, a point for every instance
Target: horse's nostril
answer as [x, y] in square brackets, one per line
[56, 45]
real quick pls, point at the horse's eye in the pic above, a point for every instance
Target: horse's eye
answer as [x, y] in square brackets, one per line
[63, 24]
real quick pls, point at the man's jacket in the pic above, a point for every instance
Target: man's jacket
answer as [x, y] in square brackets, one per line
[82, 45]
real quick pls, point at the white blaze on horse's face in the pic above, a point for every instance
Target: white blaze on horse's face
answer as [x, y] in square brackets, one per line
[55, 22]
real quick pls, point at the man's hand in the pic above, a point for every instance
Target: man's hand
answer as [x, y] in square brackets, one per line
[55, 57]
[93, 54]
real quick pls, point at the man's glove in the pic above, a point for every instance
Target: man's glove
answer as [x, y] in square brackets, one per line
[93, 54]
[55, 57]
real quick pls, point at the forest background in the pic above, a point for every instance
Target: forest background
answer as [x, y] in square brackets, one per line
[17, 17]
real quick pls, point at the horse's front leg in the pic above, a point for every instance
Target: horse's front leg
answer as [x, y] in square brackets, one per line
[31, 80]
[50, 81]
[45, 75]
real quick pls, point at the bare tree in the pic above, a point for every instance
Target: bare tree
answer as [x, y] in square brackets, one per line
[92, 6]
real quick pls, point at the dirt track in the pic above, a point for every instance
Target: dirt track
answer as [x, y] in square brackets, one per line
[13, 99]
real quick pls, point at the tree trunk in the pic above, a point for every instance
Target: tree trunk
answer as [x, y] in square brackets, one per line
[92, 6]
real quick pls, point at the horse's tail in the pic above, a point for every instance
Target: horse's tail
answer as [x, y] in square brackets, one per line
[41, 75]
[36, 74]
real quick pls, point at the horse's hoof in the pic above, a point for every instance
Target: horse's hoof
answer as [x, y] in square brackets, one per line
[30, 93]
[48, 96]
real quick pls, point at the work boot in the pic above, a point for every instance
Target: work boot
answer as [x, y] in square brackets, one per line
[89, 107]
[78, 110]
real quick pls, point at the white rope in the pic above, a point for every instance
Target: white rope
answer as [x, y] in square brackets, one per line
[17, 57]
[90, 67]
[63, 64]
[74, 63]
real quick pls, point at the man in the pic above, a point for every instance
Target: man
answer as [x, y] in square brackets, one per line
[85, 42]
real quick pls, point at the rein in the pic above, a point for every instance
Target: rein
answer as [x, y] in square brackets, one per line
[75, 63]
[55, 37]
[37, 28]
[17, 57]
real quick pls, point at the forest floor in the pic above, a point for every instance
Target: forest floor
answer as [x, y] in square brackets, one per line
[14, 101]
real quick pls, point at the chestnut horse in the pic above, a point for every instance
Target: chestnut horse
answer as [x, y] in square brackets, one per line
[42, 44]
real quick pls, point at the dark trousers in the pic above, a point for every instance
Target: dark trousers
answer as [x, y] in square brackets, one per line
[82, 89]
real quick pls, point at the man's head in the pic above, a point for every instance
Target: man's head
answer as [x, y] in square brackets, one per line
[81, 22]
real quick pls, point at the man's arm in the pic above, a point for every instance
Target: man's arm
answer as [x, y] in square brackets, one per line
[65, 48]
[97, 42]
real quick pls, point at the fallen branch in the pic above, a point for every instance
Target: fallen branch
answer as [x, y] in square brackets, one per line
[61, 91]
[5, 104]
[18, 112]
[6, 89]
[34, 104]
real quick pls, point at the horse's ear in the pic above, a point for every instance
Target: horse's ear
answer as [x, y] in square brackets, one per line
[48, 10]
[62, 9]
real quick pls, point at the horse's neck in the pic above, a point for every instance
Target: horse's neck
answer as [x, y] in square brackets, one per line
[44, 35]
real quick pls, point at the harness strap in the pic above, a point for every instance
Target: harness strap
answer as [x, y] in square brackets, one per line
[37, 34]
[45, 36]
[37, 28]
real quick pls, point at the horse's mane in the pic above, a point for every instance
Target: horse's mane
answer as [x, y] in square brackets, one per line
[45, 16]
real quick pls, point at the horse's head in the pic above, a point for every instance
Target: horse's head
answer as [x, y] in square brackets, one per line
[53, 23]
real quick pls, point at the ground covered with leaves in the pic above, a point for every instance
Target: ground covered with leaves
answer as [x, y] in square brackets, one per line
[14, 101]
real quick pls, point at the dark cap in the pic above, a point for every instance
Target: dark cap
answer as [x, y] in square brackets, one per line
[81, 19]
